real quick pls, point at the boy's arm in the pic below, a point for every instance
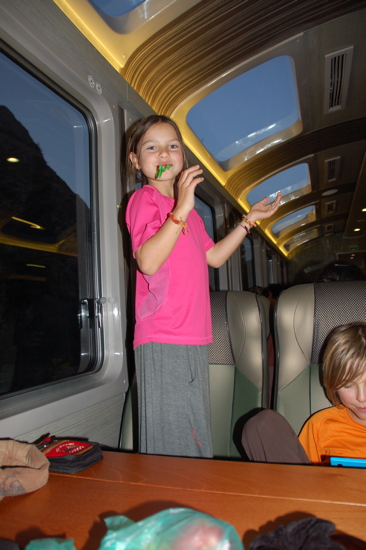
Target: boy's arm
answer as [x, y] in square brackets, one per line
[309, 440]
[222, 250]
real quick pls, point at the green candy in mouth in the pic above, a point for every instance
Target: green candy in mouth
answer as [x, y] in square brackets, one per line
[162, 169]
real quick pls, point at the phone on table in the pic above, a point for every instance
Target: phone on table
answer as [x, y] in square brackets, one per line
[348, 462]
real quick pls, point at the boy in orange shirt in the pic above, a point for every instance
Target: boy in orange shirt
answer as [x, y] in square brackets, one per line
[336, 431]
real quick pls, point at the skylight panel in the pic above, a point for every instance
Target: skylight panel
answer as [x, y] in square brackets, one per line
[293, 182]
[294, 220]
[248, 109]
[116, 8]
[302, 238]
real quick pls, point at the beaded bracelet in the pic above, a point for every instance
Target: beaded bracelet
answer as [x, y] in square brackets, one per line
[179, 222]
[249, 222]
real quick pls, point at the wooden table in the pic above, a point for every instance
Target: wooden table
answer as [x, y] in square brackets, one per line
[254, 498]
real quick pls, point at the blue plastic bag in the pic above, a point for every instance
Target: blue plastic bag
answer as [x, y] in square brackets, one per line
[172, 529]
[50, 544]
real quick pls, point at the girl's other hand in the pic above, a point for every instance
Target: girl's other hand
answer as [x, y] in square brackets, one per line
[261, 210]
[187, 183]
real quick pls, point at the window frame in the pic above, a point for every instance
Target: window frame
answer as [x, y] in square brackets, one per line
[88, 248]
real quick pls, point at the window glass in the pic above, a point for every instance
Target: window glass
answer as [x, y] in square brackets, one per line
[206, 213]
[302, 238]
[46, 269]
[283, 273]
[293, 183]
[116, 8]
[247, 264]
[294, 220]
[248, 109]
[269, 262]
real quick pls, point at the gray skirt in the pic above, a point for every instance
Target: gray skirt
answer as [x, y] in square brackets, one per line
[174, 400]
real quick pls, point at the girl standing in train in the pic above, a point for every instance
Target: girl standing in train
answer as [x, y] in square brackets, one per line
[338, 431]
[172, 306]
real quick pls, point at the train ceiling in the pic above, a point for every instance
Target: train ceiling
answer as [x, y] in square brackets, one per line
[175, 53]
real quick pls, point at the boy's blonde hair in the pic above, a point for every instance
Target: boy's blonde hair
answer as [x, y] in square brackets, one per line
[344, 358]
[138, 132]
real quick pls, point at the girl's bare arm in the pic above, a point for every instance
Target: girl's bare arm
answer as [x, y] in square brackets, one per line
[222, 250]
[156, 250]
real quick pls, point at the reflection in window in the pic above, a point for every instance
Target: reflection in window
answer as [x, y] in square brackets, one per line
[46, 286]
[205, 211]
[248, 109]
[293, 183]
[294, 220]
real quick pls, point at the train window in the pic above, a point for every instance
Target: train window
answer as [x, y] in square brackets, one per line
[251, 108]
[48, 246]
[294, 220]
[269, 265]
[293, 183]
[206, 213]
[302, 238]
[116, 9]
[283, 274]
[247, 263]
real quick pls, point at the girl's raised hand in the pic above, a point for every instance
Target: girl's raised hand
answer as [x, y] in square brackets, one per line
[187, 183]
[261, 210]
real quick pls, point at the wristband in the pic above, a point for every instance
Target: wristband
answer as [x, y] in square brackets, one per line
[179, 222]
[252, 224]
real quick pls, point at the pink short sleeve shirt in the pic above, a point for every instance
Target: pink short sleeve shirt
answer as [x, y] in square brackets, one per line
[172, 306]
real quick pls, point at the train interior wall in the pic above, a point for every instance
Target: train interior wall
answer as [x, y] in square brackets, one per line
[306, 263]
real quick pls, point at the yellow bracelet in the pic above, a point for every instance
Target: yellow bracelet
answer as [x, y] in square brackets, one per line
[252, 224]
[179, 222]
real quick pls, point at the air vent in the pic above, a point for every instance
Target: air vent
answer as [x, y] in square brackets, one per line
[337, 73]
[332, 167]
[330, 207]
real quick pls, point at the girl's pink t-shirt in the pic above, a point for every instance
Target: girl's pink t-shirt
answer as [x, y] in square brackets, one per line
[172, 306]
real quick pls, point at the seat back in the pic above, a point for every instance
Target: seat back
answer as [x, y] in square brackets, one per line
[304, 316]
[238, 363]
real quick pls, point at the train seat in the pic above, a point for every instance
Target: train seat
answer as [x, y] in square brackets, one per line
[304, 316]
[238, 364]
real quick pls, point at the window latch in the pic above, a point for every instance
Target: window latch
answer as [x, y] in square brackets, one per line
[86, 311]
[99, 302]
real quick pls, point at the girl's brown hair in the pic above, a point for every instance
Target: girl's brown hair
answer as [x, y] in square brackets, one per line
[344, 358]
[138, 132]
